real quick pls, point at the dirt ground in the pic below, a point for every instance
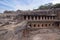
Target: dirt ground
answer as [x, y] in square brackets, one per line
[41, 34]
[49, 36]
[44, 35]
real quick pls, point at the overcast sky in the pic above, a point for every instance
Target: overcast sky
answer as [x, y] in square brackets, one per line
[23, 4]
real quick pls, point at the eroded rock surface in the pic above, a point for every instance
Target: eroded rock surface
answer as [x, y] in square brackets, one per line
[15, 32]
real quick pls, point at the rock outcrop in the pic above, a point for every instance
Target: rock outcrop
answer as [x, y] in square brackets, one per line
[13, 32]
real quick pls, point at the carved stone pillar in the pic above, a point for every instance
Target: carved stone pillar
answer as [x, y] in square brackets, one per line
[44, 18]
[30, 17]
[41, 18]
[32, 25]
[47, 18]
[34, 17]
[37, 18]
[26, 17]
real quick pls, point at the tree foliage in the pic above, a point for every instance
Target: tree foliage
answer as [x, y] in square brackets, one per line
[49, 6]
[56, 5]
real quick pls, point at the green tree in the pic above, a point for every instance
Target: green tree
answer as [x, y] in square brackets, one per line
[46, 6]
[56, 5]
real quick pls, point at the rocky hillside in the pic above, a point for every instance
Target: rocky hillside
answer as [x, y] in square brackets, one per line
[12, 32]
[15, 32]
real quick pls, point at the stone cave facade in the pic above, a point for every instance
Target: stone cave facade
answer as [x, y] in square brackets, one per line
[37, 19]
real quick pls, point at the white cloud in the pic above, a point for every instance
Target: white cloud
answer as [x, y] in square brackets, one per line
[7, 4]
[33, 4]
